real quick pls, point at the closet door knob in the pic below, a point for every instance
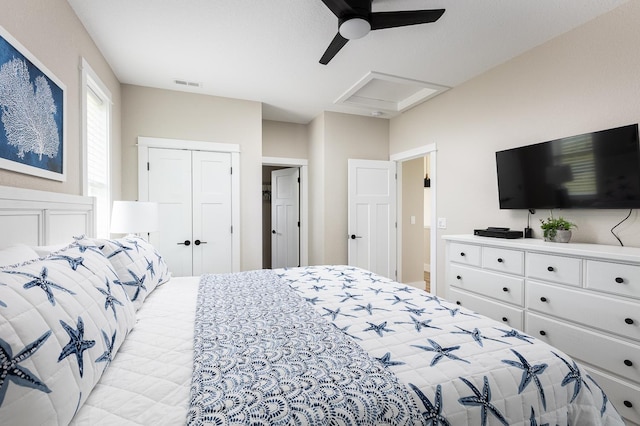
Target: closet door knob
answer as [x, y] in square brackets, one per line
[458, 302]
[186, 243]
[619, 280]
[198, 242]
[505, 289]
[543, 299]
[628, 362]
[500, 260]
[628, 321]
[462, 254]
[505, 319]
[550, 268]
[628, 404]
[543, 333]
[458, 277]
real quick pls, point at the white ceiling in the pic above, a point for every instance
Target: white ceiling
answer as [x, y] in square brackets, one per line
[268, 50]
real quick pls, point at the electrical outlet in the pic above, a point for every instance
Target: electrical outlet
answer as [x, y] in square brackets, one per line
[442, 223]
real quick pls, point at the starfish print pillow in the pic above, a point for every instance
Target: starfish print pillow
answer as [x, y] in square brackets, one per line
[139, 266]
[62, 320]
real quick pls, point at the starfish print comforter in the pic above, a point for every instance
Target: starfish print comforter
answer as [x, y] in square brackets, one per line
[341, 345]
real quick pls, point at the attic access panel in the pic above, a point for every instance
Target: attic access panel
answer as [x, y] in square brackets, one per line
[388, 95]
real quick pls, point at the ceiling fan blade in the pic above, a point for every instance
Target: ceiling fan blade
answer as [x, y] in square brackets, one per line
[338, 7]
[381, 20]
[337, 43]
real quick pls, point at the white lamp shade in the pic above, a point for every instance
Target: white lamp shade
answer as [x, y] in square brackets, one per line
[131, 217]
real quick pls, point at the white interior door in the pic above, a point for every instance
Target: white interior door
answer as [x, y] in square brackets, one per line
[285, 218]
[372, 216]
[170, 186]
[212, 243]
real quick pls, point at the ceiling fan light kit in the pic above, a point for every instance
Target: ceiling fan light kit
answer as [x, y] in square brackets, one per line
[354, 28]
[355, 20]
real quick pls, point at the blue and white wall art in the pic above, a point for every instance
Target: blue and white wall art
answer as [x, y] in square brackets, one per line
[32, 108]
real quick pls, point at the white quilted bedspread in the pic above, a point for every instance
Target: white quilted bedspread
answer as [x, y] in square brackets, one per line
[469, 369]
[148, 381]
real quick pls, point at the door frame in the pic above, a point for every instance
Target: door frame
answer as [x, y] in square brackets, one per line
[420, 151]
[144, 143]
[303, 165]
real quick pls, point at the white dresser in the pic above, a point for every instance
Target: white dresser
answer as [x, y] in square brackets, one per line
[581, 298]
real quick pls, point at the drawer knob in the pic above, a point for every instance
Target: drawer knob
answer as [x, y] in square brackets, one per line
[505, 319]
[550, 268]
[628, 321]
[458, 277]
[628, 362]
[543, 333]
[458, 302]
[505, 289]
[543, 299]
[628, 404]
[619, 280]
[500, 260]
[462, 254]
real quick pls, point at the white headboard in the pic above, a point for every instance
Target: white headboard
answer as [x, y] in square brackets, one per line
[40, 218]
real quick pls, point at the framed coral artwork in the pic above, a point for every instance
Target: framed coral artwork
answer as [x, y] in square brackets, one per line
[32, 113]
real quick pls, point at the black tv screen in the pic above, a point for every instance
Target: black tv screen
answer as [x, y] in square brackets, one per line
[599, 170]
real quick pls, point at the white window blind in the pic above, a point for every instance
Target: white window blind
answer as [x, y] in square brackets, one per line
[97, 137]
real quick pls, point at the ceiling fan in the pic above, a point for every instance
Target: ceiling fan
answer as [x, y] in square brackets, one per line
[355, 20]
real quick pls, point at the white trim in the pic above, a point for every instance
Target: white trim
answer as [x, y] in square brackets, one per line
[144, 143]
[420, 151]
[189, 145]
[303, 164]
[410, 155]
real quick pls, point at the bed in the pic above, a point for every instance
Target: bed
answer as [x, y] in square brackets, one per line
[96, 332]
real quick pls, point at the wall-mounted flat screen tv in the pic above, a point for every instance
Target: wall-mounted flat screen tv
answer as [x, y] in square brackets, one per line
[599, 170]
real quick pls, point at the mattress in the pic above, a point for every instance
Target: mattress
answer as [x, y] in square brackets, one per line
[148, 381]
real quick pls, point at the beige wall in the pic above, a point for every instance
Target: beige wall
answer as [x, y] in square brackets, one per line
[412, 234]
[316, 132]
[346, 136]
[587, 79]
[50, 30]
[179, 115]
[284, 140]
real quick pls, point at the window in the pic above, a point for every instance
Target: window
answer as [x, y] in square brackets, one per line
[97, 124]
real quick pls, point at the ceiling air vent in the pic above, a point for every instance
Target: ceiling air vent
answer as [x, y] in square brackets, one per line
[187, 83]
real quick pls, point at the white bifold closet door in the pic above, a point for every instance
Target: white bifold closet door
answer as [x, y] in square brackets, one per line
[193, 190]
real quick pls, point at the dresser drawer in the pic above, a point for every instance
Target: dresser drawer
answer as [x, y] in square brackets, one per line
[503, 260]
[512, 317]
[616, 356]
[591, 309]
[466, 254]
[616, 278]
[624, 396]
[559, 269]
[505, 288]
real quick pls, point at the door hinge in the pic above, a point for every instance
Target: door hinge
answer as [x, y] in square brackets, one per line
[148, 167]
[298, 180]
[232, 229]
[298, 224]
[396, 225]
[231, 170]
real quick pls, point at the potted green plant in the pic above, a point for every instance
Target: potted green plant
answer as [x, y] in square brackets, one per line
[557, 229]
